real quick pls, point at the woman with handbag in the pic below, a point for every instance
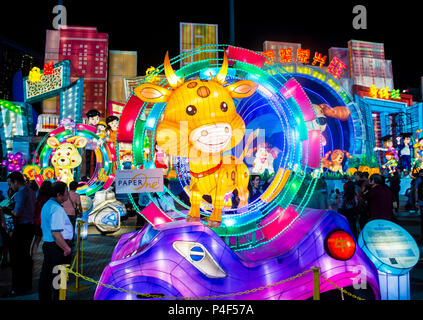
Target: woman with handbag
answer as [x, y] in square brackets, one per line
[73, 205]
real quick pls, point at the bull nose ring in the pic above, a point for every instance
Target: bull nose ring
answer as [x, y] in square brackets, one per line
[204, 133]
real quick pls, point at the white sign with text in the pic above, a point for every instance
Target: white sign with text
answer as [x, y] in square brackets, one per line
[139, 181]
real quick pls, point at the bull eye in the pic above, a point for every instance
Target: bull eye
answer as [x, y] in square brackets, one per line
[191, 110]
[224, 106]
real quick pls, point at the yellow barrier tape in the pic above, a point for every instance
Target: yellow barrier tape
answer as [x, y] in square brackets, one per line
[341, 289]
[187, 298]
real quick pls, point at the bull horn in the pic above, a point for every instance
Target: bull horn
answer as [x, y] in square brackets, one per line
[220, 77]
[172, 78]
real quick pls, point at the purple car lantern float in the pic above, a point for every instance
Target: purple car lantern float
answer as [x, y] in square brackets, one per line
[181, 259]
[263, 249]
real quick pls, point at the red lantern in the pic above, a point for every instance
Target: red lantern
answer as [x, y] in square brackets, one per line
[340, 245]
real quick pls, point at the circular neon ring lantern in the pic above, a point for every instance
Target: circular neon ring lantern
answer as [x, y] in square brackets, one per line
[105, 155]
[290, 104]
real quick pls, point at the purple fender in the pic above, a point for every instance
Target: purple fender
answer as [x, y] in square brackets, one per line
[148, 261]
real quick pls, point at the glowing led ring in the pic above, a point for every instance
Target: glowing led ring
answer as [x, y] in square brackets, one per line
[105, 155]
[283, 95]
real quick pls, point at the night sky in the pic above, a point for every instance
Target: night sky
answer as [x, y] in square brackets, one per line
[152, 27]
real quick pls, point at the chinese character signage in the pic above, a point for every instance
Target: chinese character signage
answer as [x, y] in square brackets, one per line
[319, 59]
[383, 93]
[303, 55]
[336, 67]
[285, 55]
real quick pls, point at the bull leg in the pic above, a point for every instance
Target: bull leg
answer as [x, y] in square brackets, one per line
[194, 211]
[242, 180]
[216, 216]
[243, 197]
[224, 180]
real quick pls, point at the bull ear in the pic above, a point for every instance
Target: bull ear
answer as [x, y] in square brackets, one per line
[53, 143]
[242, 89]
[80, 142]
[152, 93]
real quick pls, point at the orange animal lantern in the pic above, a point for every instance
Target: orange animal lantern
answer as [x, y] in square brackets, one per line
[335, 162]
[200, 122]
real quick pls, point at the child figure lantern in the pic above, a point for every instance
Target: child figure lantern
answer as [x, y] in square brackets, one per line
[112, 127]
[161, 160]
[405, 151]
[93, 119]
[388, 146]
[101, 131]
[391, 164]
[127, 162]
[200, 122]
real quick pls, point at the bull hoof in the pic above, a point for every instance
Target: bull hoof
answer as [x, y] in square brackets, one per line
[193, 219]
[213, 224]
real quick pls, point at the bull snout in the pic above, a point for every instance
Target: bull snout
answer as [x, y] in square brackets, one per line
[212, 138]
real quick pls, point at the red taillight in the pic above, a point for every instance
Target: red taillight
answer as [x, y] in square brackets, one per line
[340, 245]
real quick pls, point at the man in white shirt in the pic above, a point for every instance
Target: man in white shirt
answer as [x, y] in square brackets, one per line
[57, 235]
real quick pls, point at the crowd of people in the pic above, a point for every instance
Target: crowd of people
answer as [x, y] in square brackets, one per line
[48, 214]
[365, 198]
[29, 216]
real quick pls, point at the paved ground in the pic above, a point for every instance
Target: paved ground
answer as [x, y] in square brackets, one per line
[99, 248]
